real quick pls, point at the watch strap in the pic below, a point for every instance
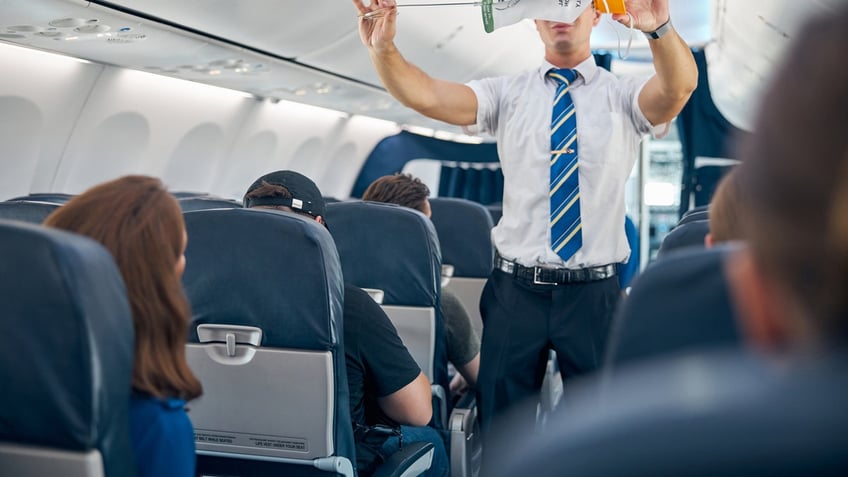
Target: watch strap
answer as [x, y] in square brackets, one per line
[659, 32]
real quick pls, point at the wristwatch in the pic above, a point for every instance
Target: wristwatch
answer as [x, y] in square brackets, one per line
[659, 32]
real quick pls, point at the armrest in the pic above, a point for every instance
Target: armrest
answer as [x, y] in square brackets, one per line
[376, 294]
[551, 391]
[440, 406]
[465, 446]
[413, 459]
[447, 273]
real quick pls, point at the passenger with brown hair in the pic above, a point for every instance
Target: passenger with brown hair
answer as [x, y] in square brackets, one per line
[724, 211]
[400, 189]
[141, 225]
[462, 343]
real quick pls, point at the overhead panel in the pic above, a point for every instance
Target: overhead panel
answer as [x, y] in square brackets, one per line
[103, 35]
[751, 39]
[285, 28]
[447, 42]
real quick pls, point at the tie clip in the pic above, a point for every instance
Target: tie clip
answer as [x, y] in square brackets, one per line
[563, 151]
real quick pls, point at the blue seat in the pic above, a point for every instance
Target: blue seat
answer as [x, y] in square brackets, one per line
[67, 356]
[395, 249]
[187, 204]
[723, 413]
[53, 197]
[677, 304]
[693, 216]
[465, 238]
[496, 210]
[688, 235]
[464, 229]
[693, 210]
[183, 194]
[266, 293]
[26, 210]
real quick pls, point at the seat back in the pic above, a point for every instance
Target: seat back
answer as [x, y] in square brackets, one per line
[187, 204]
[26, 210]
[465, 238]
[52, 197]
[496, 211]
[182, 194]
[694, 216]
[688, 235]
[266, 294]
[726, 412]
[67, 356]
[693, 210]
[677, 303]
[395, 249]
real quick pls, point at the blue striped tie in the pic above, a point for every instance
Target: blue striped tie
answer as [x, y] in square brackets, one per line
[566, 236]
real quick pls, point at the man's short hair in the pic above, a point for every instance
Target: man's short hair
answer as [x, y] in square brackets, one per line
[401, 189]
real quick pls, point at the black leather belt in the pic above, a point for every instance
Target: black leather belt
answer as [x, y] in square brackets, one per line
[554, 276]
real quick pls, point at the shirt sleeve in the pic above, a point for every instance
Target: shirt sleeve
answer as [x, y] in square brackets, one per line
[387, 363]
[632, 88]
[486, 91]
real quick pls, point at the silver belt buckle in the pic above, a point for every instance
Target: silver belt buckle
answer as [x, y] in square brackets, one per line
[536, 281]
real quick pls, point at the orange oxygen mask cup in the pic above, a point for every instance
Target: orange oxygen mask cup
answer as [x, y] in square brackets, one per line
[610, 6]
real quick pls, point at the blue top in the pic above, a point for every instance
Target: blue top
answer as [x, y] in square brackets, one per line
[162, 437]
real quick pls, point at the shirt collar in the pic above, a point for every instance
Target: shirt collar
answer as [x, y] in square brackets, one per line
[588, 69]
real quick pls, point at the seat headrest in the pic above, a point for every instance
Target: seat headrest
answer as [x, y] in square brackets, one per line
[273, 270]
[464, 228]
[389, 247]
[496, 211]
[678, 302]
[693, 210]
[182, 194]
[187, 204]
[694, 216]
[690, 234]
[33, 212]
[67, 355]
[53, 197]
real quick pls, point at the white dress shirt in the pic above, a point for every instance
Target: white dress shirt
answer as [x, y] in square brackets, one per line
[517, 111]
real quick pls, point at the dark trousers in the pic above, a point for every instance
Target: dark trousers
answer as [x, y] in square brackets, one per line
[521, 322]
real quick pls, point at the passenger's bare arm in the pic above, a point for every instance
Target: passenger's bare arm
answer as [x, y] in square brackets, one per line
[676, 77]
[410, 405]
[454, 103]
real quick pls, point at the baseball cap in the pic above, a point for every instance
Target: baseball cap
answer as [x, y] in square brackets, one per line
[305, 194]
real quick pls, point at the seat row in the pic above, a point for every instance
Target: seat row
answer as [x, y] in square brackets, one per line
[268, 295]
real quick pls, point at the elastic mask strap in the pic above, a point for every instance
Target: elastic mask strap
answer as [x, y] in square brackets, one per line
[618, 36]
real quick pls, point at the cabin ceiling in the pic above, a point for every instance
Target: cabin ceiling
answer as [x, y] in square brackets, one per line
[310, 52]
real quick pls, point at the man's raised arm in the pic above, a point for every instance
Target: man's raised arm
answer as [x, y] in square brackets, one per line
[447, 101]
[665, 93]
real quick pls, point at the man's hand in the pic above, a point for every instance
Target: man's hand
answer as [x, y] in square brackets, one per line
[377, 23]
[648, 15]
